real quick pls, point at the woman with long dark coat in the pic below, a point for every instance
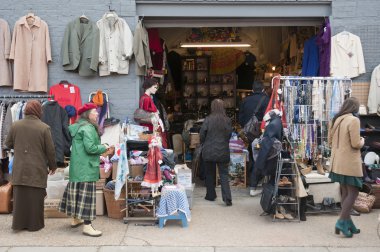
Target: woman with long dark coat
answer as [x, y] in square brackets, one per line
[34, 159]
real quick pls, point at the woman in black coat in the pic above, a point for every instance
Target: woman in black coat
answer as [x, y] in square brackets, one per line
[215, 136]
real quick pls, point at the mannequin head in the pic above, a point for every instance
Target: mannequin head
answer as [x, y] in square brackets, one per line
[150, 86]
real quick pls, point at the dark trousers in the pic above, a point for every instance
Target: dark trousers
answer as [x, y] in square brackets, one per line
[210, 168]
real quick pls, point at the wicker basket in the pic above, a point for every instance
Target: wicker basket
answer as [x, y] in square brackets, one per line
[145, 137]
[114, 207]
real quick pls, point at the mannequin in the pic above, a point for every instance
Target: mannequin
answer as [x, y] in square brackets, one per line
[146, 103]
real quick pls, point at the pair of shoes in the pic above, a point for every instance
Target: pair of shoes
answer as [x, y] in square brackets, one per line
[76, 222]
[89, 230]
[343, 226]
[254, 192]
[210, 199]
[353, 228]
[284, 213]
[286, 198]
[304, 169]
[228, 203]
[284, 181]
[279, 216]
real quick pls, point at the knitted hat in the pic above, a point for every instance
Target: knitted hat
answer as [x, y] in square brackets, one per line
[85, 107]
[71, 111]
[98, 98]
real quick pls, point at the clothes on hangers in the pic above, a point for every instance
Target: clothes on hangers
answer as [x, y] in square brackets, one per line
[347, 58]
[141, 50]
[31, 53]
[374, 92]
[80, 47]
[310, 60]
[324, 45]
[67, 94]
[5, 48]
[115, 46]
[56, 117]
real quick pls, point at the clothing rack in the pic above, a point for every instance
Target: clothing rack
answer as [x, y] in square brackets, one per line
[26, 96]
[309, 103]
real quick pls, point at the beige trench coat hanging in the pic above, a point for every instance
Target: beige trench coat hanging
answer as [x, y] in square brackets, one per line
[5, 48]
[31, 53]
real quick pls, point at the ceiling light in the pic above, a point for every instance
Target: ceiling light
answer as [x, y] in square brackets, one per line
[214, 44]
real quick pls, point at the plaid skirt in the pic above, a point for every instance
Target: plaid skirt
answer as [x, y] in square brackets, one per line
[79, 200]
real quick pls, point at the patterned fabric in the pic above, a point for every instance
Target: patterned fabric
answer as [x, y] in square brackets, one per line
[173, 199]
[79, 200]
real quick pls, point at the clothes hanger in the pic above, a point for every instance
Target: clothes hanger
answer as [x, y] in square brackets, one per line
[83, 17]
[30, 15]
[64, 82]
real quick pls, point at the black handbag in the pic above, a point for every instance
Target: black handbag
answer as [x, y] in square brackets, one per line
[268, 201]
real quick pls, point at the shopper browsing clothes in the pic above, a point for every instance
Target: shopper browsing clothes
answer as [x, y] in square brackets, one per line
[346, 164]
[34, 159]
[215, 136]
[79, 198]
[257, 101]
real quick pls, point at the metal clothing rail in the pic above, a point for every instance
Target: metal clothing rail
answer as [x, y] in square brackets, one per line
[309, 78]
[26, 96]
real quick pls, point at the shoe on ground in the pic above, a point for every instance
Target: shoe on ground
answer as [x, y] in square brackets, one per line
[76, 222]
[254, 192]
[91, 231]
[228, 203]
[354, 212]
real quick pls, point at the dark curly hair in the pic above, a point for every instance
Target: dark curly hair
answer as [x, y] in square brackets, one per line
[148, 83]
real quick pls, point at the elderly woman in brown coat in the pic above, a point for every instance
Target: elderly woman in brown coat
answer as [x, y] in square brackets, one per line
[34, 159]
[346, 164]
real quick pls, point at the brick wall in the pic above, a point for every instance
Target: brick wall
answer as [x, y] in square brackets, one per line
[122, 89]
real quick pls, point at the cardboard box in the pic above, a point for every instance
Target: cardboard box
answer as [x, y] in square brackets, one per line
[136, 170]
[100, 184]
[184, 178]
[51, 209]
[99, 202]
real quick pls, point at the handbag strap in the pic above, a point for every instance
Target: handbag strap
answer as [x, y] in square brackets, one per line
[258, 105]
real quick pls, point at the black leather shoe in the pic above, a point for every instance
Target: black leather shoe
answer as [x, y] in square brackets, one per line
[210, 199]
[229, 203]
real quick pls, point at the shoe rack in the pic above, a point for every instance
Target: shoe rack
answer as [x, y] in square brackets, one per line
[287, 206]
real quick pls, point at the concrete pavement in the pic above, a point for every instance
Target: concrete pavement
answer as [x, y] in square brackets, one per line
[214, 227]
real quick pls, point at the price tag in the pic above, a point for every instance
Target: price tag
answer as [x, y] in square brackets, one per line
[72, 90]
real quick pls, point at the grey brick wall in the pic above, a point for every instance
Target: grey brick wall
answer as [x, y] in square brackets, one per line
[123, 90]
[361, 19]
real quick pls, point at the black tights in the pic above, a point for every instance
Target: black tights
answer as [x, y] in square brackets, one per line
[87, 222]
[349, 195]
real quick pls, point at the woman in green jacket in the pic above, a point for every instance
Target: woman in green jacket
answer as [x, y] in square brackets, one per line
[79, 197]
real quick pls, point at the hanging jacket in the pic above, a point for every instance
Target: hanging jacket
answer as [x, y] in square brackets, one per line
[5, 48]
[31, 53]
[85, 151]
[56, 117]
[141, 49]
[80, 48]
[115, 46]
